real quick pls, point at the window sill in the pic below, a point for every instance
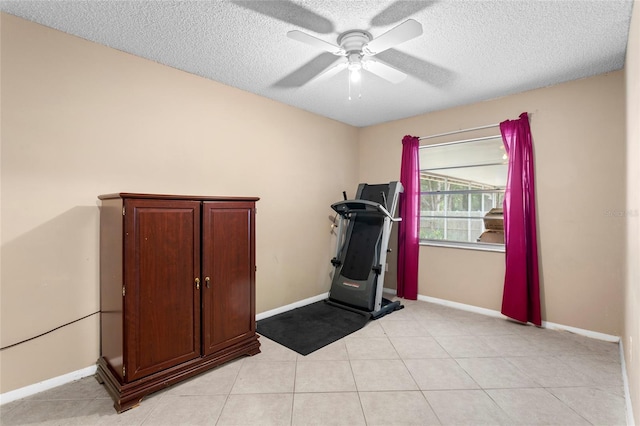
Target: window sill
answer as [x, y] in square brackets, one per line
[499, 248]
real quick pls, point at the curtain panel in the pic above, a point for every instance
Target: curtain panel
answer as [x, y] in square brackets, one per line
[521, 296]
[409, 206]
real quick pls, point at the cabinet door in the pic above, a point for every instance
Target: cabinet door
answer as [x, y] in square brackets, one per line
[162, 303]
[229, 264]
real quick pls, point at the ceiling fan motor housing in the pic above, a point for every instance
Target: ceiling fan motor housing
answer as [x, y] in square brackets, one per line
[353, 41]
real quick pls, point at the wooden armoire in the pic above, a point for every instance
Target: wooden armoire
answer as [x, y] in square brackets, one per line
[177, 289]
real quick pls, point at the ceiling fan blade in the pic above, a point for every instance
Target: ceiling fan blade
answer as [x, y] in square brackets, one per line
[432, 74]
[330, 72]
[315, 42]
[307, 72]
[398, 11]
[384, 71]
[288, 11]
[406, 31]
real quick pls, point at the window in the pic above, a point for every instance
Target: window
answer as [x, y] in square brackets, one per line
[460, 182]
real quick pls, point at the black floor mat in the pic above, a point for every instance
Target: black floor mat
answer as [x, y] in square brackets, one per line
[311, 327]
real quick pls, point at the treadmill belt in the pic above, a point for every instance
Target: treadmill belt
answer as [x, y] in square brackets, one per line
[362, 247]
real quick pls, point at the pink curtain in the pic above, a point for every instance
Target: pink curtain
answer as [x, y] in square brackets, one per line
[409, 202]
[521, 297]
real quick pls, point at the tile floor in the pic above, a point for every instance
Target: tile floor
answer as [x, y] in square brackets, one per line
[424, 365]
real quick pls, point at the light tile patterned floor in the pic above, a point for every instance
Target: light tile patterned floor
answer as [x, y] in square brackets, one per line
[424, 365]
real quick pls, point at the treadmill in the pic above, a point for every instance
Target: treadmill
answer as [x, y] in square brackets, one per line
[362, 244]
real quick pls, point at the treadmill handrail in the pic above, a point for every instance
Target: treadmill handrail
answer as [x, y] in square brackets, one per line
[354, 206]
[387, 214]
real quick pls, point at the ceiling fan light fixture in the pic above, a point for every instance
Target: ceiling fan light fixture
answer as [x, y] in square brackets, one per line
[355, 60]
[354, 66]
[354, 75]
[354, 85]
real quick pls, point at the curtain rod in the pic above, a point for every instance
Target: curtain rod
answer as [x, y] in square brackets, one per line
[462, 141]
[459, 131]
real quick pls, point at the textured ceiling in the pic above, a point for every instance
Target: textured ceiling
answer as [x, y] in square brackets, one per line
[469, 50]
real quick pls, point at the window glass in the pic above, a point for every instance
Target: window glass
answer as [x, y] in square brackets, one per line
[461, 183]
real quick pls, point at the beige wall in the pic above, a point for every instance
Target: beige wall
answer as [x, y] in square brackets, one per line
[631, 335]
[79, 120]
[579, 143]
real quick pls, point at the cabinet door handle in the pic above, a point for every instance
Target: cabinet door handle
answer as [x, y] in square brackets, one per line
[198, 283]
[207, 281]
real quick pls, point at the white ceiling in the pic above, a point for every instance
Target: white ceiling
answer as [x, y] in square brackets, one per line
[469, 51]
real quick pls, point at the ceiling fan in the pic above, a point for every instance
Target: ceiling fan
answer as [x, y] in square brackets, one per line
[358, 46]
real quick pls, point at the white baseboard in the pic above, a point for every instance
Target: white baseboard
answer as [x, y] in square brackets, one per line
[581, 331]
[625, 384]
[46, 385]
[545, 324]
[291, 306]
[461, 306]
